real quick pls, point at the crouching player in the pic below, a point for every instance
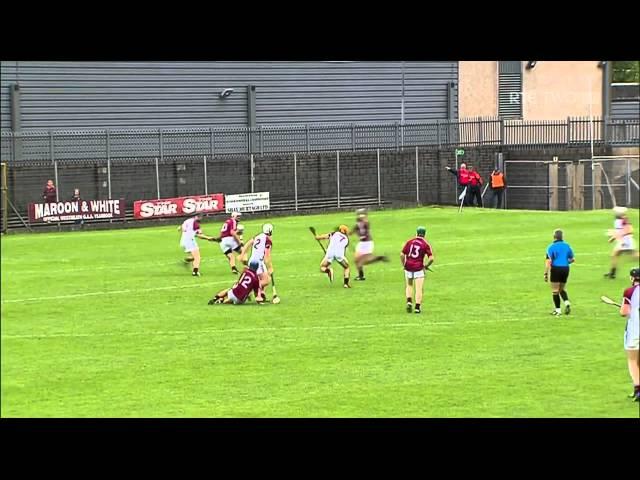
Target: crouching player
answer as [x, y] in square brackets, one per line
[338, 242]
[261, 246]
[190, 229]
[630, 309]
[239, 292]
[412, 258]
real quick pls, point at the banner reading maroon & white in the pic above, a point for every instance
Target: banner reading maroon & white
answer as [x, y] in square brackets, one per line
[76, 210]
[178, 207]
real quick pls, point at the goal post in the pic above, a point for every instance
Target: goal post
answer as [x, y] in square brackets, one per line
[610, 181]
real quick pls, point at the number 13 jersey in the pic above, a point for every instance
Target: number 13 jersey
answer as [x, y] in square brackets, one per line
[415, 251]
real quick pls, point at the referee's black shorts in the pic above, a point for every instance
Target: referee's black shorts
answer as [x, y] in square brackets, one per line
[559, 274]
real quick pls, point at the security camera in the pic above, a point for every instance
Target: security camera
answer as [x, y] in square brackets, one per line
[531, 64]
[226, 92]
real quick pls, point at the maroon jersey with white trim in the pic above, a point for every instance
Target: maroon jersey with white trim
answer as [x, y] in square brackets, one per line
[364, 231]
[229, 225]
[415, 250]
[247, 283]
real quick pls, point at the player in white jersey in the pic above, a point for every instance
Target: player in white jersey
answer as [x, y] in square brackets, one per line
[622, 235]
[190, 229]
[338, 242]
[630, 308]
[261, 246]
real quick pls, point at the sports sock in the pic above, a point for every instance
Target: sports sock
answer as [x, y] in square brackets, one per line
[361, 272]
[409, 300]
[195, 270]
[346, 280]
[556, 300]
[564, 296]
[417, 306]
[613, 271]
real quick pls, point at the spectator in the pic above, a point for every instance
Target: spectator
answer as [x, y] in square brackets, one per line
[498, 185]
[475, 188]
[76, 198]
[462, 175]
[49, 195]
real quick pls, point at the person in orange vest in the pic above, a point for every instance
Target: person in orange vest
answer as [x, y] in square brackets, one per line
[498, 185]
[475, 186]
[462, 175]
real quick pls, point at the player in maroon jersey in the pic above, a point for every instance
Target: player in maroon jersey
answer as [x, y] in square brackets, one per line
[364, 249]
[239, 292]
[230, 240]
[412, 258]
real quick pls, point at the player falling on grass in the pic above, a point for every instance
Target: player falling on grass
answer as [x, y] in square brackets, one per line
[239, 292]
[412, 258]
[261, 246]
[630, 308]
[622, 235]
[190, 229]
[230, 240]
[338, 242]
[364, 250]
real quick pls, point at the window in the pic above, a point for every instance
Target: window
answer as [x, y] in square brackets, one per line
[510, 90]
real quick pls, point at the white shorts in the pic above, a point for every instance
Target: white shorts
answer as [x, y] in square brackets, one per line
[262, 267]
[189, 245]
[228, 243]
[334, 256]
[233, 298]
[365, 248]
[627, 243]
[632, 335]
[411, 275]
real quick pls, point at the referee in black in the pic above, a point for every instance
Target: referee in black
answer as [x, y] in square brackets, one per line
[559, 257]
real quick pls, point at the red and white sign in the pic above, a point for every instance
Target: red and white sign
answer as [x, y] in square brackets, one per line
[178, 207]
[76, 210]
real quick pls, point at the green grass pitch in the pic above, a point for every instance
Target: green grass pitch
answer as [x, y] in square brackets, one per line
[111, 324]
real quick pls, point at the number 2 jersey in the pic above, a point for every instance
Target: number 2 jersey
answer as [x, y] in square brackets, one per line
[261, 244]
[415, 250]
[247, 283]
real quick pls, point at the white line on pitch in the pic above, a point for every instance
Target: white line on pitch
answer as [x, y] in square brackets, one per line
[262, 329]
[173, 287]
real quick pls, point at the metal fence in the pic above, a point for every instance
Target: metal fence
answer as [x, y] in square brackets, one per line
[83, 145]
[582, 184]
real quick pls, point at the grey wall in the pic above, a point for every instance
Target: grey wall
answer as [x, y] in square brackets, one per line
[71, 95]
[625, 109]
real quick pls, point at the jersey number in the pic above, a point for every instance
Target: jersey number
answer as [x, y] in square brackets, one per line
[245, 281]
[414, 252]
[224, 227]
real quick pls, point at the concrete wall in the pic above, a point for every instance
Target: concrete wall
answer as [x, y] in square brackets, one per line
[551, 90]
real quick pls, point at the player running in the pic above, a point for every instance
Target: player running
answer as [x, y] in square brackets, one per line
[364, 249]
[190, 229]
[261, 246]
[622, 234]
[630, 308]
[559, 257]
[239, 292]
[412, 258]
[338, 242]
[230, 240]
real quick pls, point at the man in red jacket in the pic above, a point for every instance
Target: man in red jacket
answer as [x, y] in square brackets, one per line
[462, 175]
[475, 186]
[49, 193]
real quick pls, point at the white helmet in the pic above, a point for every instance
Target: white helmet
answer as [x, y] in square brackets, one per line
[619, 211]
[235, 214]
[267, 229]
